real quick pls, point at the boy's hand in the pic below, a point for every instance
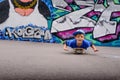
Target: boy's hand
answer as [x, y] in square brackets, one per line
[96, 50]
[66, 49]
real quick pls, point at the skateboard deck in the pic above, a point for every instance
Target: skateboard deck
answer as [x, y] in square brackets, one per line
[79, 51]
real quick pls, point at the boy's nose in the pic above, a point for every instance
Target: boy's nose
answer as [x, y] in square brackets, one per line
[79, 37]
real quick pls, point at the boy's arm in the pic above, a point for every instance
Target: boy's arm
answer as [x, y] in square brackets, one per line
[94, 48]
[65, 47]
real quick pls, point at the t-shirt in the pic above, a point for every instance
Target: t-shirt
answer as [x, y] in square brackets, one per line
[73, 43]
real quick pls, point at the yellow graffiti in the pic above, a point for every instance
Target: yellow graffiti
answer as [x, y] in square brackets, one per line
[25, 7]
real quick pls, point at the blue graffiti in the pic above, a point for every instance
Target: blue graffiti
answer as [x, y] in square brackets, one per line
[1, 1]
[28, 33]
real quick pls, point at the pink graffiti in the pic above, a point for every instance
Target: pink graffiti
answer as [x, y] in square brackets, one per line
[118, 29]
[92, 13]
[112, 36]
[82, 6]
[68, 8]
[69, 1]
[100, 1]
[109, 37]
[116, 14]
[68, 34]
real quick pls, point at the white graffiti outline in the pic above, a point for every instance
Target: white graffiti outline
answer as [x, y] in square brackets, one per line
[101, 28]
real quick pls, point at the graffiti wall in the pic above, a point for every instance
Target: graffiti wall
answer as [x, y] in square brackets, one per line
[54, 21]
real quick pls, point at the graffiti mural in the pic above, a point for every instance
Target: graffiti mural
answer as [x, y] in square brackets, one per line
[55, 20]
[28, 33]
[24, 13]
[96, 17]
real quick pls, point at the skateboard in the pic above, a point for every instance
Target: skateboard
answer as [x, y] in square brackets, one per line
[79, 50]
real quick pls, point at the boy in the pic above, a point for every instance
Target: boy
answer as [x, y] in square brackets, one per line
[79, 43]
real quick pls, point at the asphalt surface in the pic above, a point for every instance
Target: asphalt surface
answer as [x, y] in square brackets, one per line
[45, 61]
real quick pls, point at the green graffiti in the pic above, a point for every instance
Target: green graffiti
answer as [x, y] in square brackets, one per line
[95, 1]
[75, 7]
[116, 42]
[95, 18]
[116, 19]
[58, 40]
[105, 3]
[89, 37]
[117, 1]
[49, 23]
[58, 13]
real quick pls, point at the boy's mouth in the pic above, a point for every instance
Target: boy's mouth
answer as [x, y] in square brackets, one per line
[79, 40]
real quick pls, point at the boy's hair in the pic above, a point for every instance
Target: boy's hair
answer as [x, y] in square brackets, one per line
[78, 32]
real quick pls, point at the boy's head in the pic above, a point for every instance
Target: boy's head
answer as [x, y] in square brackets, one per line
[78, 32]
[79, 35]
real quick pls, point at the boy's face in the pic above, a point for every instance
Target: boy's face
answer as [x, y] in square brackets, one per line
[79, 38]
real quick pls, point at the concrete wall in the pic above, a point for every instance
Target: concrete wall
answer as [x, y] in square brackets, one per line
[55, 20]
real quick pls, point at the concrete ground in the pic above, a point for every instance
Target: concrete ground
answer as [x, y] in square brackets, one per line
[44, 61]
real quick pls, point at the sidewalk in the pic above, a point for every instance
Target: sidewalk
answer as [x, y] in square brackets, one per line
[44, 61]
